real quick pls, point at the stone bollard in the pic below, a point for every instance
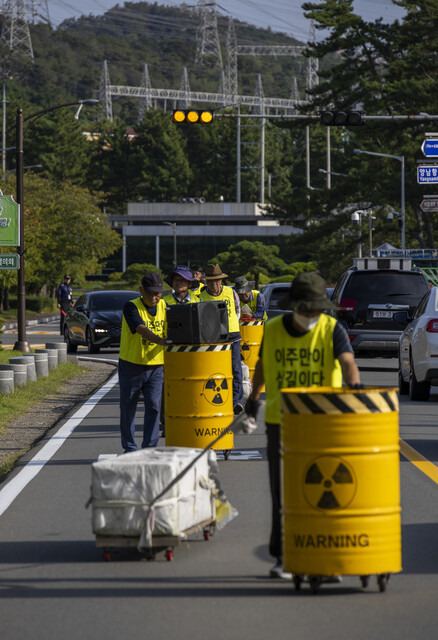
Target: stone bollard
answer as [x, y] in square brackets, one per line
[41, 363]
[52, 355]
[29, 361]
[61, 348]
[6, 379]
[20, 373]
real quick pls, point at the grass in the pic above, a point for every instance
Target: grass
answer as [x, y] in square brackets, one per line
[13, 405]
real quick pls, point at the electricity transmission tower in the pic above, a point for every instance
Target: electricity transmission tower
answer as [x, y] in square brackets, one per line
[16, 17]
[208, 45]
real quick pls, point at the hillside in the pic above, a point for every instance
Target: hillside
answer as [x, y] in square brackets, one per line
[68, 60]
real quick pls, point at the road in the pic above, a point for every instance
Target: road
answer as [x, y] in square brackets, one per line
[54, 582]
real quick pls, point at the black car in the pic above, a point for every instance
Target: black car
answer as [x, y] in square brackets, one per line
[369, 294]
[96, 320]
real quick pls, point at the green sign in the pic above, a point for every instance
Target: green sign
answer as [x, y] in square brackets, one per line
[9, 222]
[9, 261]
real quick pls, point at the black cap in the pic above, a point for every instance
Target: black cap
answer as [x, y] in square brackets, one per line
[67, 277]
[152, 282]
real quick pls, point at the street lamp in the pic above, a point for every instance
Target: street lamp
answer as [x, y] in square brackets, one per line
[22, 344]
[401, 159]
[356, 218]
[173, 224]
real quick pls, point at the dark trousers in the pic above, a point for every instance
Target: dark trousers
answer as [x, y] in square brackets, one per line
[65, 306]
[236, 366]
[134, 378]
[273, 451]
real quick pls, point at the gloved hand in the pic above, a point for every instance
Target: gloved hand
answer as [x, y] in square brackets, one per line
[357, 386]
[252, 407]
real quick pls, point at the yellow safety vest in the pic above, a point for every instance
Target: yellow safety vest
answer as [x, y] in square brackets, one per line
[305, 361]
[227, 296]
[169, 299]
[197, 291]
[138, 350]
[252, 304]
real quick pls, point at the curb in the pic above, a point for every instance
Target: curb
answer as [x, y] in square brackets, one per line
[30, 323]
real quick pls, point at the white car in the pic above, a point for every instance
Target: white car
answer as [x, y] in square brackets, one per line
[418, 349]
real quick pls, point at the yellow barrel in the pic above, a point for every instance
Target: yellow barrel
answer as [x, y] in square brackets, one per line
[198, 395]
[341, 487]
[251, 332]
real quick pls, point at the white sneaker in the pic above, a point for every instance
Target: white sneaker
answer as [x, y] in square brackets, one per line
[278, 572]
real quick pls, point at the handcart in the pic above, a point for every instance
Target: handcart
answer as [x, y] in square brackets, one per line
[159, 543]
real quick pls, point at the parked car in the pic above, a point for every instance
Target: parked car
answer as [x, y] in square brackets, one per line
[275, 292]
[368, 297]
[96, 320]
[418, 350]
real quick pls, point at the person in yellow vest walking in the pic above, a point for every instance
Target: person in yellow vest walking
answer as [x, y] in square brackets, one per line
[198, 274]
[252, 298]
[141, 362]
[305, 348]
[215, 290]
[180, 280]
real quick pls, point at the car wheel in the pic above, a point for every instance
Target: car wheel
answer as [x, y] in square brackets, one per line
[418, 390]
[90, 344]
[71, 348]
[403, 386]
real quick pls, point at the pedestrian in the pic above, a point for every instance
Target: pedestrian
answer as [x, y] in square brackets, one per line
[252, 298]
[65, 300]
[325, 352]
[141, 361]
[181, 279]
[198, 274]
[215, 290]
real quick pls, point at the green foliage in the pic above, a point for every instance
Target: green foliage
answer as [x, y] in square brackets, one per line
[135, 272]
[250, 259]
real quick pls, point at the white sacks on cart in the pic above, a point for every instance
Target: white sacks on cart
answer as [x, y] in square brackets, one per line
[123, 489]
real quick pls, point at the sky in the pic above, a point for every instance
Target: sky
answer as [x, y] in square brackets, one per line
[281, 15]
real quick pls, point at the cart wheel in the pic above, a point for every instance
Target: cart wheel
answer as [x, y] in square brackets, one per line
[382, 581]
[149, 555]
[297, 579]
[169, 555]
[315, 582]
[365, 580]
[226, 454]
[107, 555]
[206, 534]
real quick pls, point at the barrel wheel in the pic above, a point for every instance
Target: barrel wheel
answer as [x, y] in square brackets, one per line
[365, 580]
[315, 583]
[207, 534]
[227, 453]
[382, 581]
[297, 580]
[169, 555]
[107, 555]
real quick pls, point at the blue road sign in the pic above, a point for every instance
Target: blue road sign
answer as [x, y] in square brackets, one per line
[430, 148]
[427, 174]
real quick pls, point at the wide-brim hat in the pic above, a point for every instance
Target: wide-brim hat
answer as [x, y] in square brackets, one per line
[183, 272]
[214, 272]
[307, 293]
[242, 285]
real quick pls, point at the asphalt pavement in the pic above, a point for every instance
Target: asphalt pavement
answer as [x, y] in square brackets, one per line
[54, 582]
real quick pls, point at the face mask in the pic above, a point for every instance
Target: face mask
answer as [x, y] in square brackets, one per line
[305, 323]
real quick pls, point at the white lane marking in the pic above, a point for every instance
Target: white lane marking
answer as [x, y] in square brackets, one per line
[107, 456]
[34, 466]
[243, 454]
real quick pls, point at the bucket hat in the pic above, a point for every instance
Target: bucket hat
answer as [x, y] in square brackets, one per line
[180, 270]
[214, 272]
[242, 285]
[307, 293]
[152, 282]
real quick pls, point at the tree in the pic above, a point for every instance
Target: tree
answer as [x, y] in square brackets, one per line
[251, 259]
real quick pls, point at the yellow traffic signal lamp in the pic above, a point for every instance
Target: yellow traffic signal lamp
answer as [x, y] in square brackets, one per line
[341, 118]
[191, 116]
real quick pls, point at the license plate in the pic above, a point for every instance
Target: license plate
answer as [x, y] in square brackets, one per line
[382, 314]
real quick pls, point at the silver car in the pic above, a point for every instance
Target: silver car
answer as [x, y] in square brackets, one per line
[418, 350]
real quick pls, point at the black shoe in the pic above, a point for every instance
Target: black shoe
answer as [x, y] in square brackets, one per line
[238, 408]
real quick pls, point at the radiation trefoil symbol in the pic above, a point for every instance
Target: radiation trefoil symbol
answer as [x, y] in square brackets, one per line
[245, 350]
[216, 389]
[329, 483]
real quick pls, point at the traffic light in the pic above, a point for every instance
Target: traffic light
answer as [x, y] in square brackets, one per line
[181, 116]
[341, 118]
